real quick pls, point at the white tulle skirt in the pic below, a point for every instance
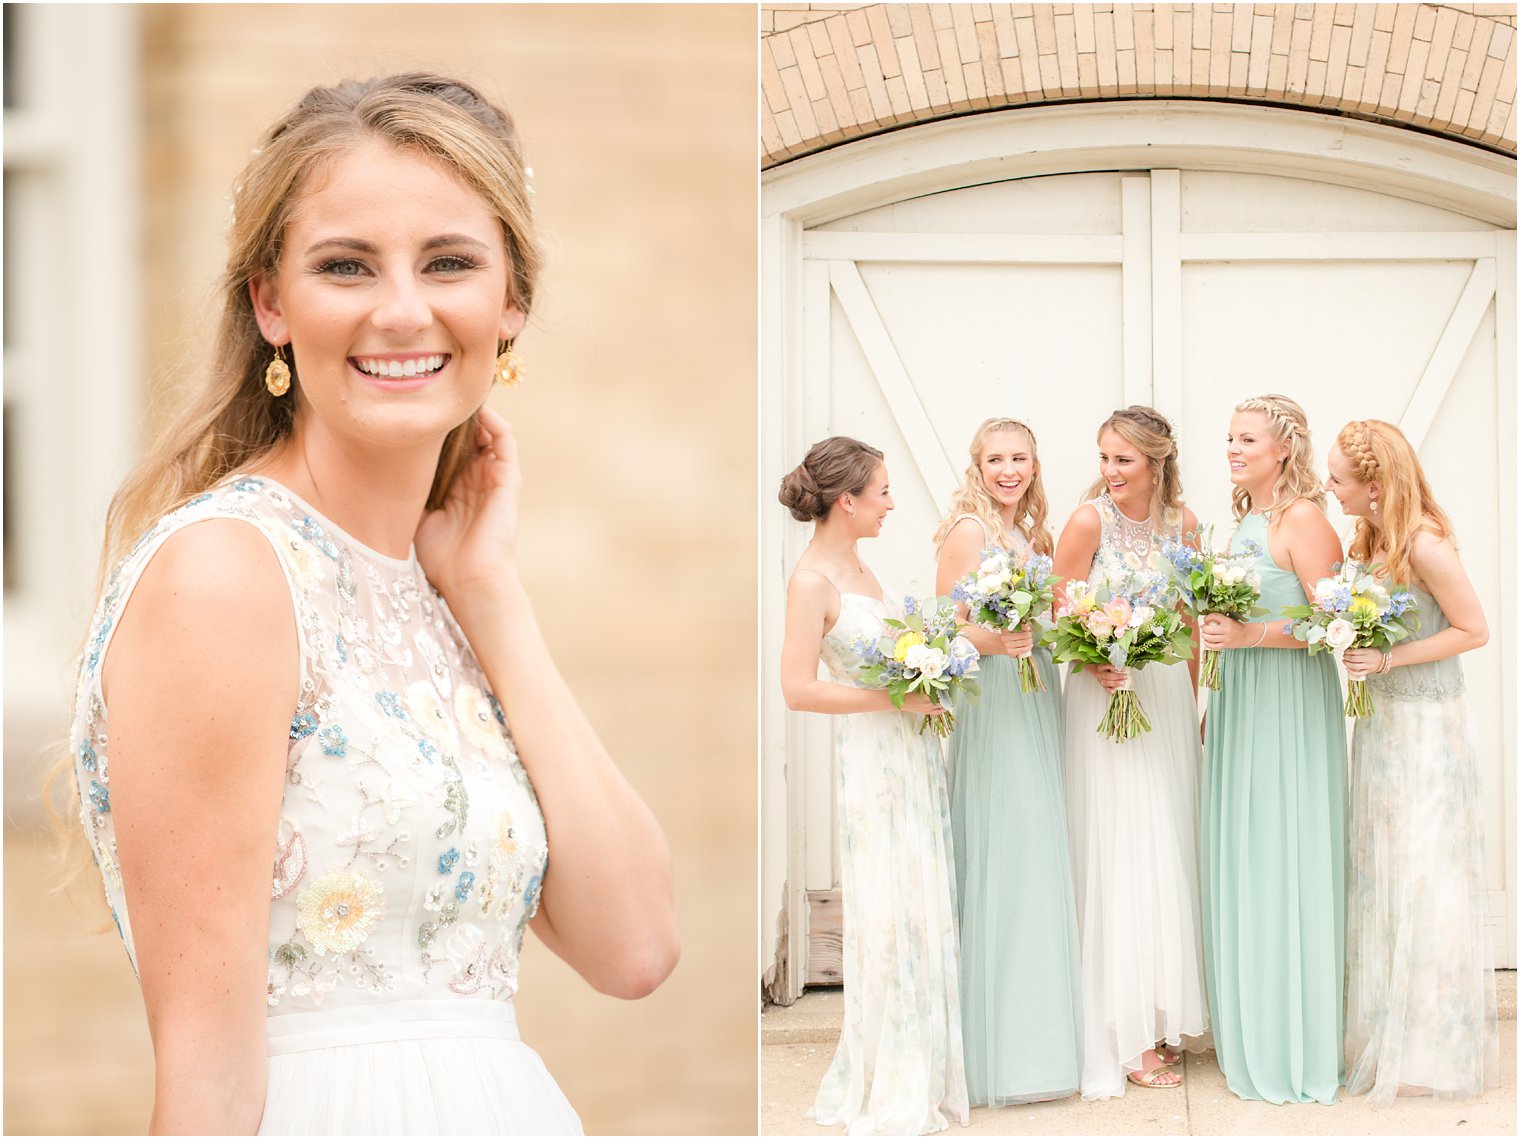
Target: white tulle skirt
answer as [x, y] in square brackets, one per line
[427, 1067]
[1132, 812]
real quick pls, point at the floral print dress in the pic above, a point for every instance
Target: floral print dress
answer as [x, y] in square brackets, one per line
[898, 1068]
[1420, 1003]
[409, 854]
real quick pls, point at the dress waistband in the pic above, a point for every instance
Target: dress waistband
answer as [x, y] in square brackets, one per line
[390, 1020]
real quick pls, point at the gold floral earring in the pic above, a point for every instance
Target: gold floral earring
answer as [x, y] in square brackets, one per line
[277, 375]
[509, 368]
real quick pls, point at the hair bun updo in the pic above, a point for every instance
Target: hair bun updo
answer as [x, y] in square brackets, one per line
[835, 466]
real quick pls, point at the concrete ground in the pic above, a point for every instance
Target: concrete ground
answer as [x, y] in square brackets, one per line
[797, 1044]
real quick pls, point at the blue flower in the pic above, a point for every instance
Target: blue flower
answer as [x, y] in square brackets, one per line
[87, 755]
[302, 726]
[427, 750]
[391, 703]
[333, 740]
[448, 860]
[910, 604]
[466, 884]
[101, 797]
[530, 895]
[312, 532]
[342, 647]
[248, 486]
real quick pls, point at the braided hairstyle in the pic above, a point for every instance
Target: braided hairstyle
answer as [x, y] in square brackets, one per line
[1288, 424]
[1378, 451]
[1150, 433]
[837, 465]
[974, 498]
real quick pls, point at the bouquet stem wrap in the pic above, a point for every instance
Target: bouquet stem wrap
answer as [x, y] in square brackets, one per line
[1208, 670]
[1125, 717]
[1029, 676]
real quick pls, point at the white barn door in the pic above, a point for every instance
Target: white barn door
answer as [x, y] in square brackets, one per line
[1055, 299]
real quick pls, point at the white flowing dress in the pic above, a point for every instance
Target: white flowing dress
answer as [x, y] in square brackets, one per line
[898, 1069]
[409, 854]
[1132, 811]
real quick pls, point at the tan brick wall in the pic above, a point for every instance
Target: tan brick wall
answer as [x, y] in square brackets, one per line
[830, 73]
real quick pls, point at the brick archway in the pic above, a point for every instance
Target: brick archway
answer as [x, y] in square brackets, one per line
[833, 73]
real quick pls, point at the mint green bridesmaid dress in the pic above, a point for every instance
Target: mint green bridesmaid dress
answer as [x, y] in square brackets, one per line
[1020, 988]
[1273, 848]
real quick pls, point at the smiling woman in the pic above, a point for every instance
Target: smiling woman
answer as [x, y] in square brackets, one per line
[318, 647]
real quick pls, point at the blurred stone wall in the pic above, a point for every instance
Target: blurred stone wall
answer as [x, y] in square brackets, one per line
[638, 440]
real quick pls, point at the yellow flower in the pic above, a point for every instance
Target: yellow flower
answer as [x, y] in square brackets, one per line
[338, 910]
[1364, 608]
[904, 643]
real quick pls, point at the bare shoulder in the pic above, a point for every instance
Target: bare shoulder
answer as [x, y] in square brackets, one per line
[966, 538]
[809, 584]
[1430, 550]
[1306, 518]
[1189, 521]
[1084, 523]
[212, 597]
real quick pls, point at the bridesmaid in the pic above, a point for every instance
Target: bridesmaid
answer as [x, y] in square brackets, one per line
[1132, 806]
[1020, 1009]
[898, 1068]
[1273, 824]
[1420, 1013]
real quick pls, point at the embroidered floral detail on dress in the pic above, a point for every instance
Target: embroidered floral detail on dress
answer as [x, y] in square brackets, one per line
[477, 720]
[337, 911]
[393, 736]
[290, 860]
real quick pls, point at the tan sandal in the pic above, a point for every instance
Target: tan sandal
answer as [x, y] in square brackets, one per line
[1168, 1055]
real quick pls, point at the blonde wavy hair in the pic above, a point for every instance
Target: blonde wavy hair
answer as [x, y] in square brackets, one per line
[234, 421]
[1149, 432]
[1378, 452]
[1288, 424]
[974, 498]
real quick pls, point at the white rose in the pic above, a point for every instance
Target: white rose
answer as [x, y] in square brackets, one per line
[929, 662]
[1139, 615]
[993, 566]
[1325, 589]
[916, 656]
[1339, 634]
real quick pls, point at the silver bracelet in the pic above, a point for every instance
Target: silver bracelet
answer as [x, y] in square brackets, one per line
[1262, 637]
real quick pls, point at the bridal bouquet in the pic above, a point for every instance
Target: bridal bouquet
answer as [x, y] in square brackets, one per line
[1001, 595]
[1128, 621]
[923, 652]
[1213, 581]
[1353, 610]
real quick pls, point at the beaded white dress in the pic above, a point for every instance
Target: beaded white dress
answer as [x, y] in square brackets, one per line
[898, 1068]
[409, 855]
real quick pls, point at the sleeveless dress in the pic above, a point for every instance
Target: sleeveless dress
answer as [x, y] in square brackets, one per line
[1274, 860]
[898, 1068]
[409, 854]
[1132, 808]
[1419, 979]
[1020, 959]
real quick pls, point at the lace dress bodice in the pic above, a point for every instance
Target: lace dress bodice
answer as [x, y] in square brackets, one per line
[410, 848]
[1432, 680]
[1128, 546]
